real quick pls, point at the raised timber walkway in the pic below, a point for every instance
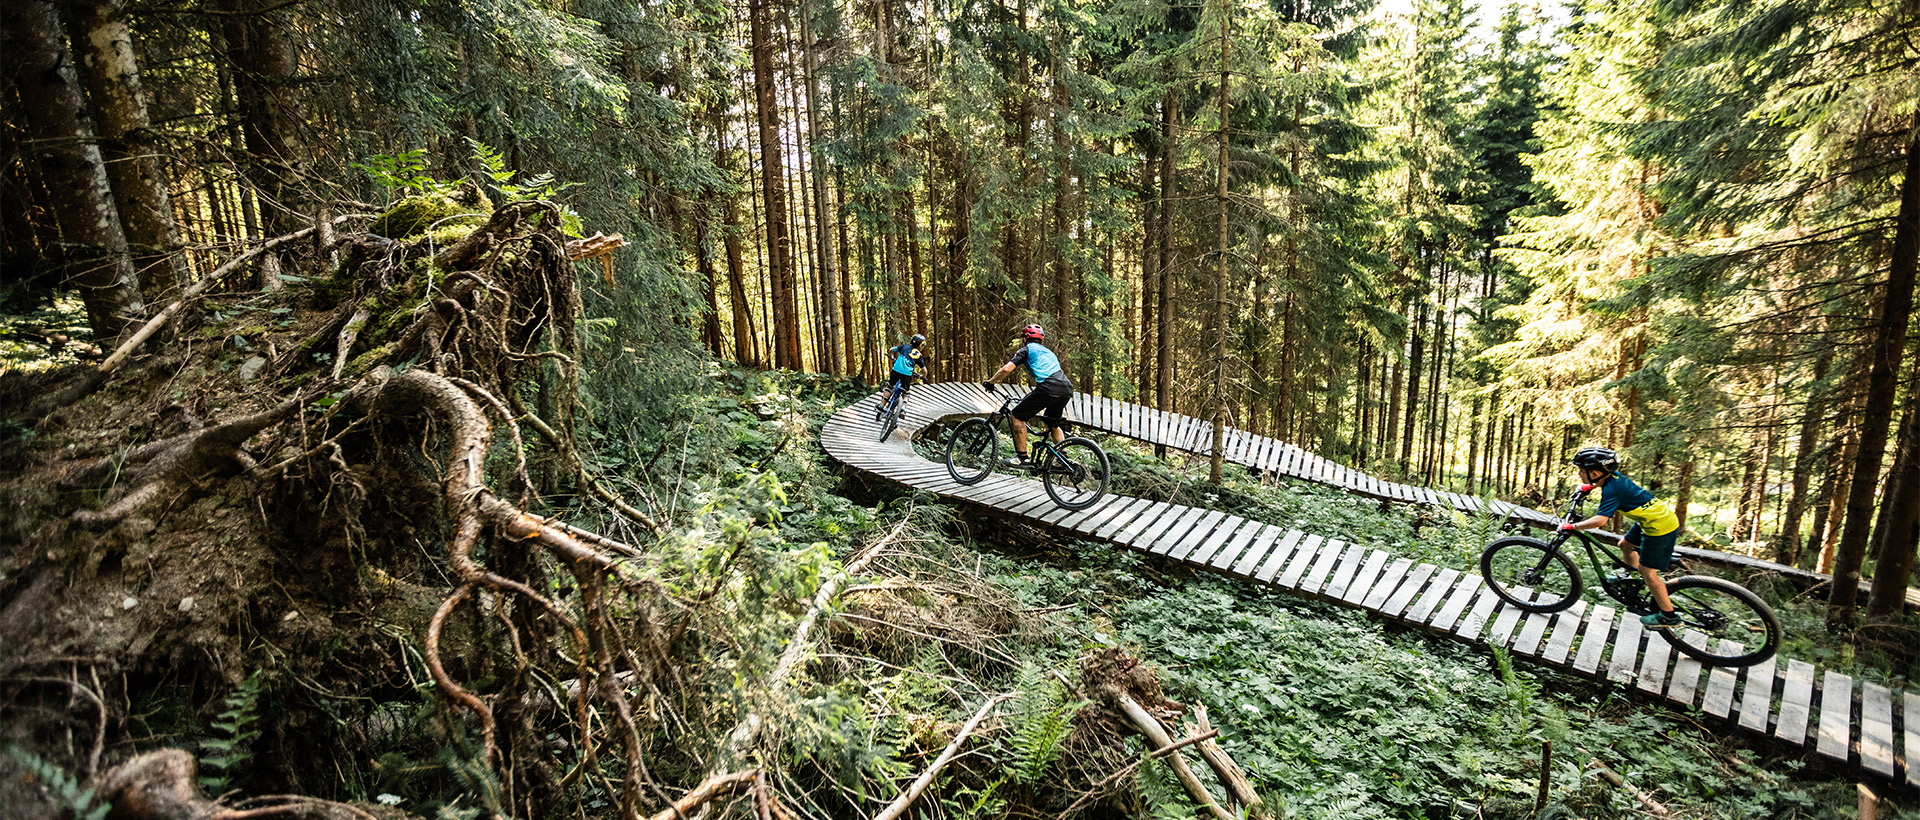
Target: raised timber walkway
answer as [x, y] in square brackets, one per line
[1853, 723]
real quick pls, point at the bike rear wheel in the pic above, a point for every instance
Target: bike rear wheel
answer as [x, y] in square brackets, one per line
[1076, 473]
[972, 451]
[1723, 623]
[1525, 575]
[887, 424]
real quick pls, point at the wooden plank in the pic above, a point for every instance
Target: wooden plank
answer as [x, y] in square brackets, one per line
[1507, 619]
[1593, 639]
[1796, 703]
[1389, 580]
[1910, 709]
[1150, 520]
[1566, 627]
[1478, 617]
[1244, 532]
[1718, 700]
[1409, 586]
[1756, 700]
[1343, 574]
[1686, 677]
[1197, 527]
[1251, 559]
[1157, 528]
[1363, 582]
[1111, 515]
[1876, 729]
[1302, 556]
[1336, 554]
[1253, 540]
[1457, 602]
[1653, 668]
[1194, 545]
[1533, 627]
[1625, 657]
[1836, 716]
[1302, 561]
[1437, 592]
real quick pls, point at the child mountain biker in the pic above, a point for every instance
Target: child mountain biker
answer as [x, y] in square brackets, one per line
[1051, 391]
[1648, 544]
[906, 363]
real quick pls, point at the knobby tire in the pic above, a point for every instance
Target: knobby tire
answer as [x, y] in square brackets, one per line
[1725, 623]
[1516, 562]
[1081, 480]
[972, 451]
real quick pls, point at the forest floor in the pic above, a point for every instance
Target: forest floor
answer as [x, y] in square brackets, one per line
[238, 621]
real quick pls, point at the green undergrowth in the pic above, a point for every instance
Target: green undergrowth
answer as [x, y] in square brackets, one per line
[1332, 713]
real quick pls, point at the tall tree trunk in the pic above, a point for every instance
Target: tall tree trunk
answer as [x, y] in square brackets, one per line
[95, 253]
[786, 326]
[1684, 496]
[1220, 277]
[744, 347]
[1786, 543]
[263, 63]
[1837, 511]
[1889, 344]
[1149, 279]
[1414, 370]
[823, 223]
[1168, 186]
[131, 153]
[1897, 533]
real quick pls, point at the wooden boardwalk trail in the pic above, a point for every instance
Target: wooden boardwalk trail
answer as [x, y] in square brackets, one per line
[1857, 724]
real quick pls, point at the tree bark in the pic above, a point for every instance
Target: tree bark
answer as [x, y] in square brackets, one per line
[786, 327]
[128, 145]
[1215, 464]
[1164, 382]
[263, 65]
[96, 255]
[1895, 540]
[1889, 344]
[1786, 543]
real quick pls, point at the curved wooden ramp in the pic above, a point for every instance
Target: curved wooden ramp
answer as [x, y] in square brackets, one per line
[1794, 703]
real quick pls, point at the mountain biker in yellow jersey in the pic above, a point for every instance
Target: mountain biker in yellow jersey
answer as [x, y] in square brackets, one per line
[1648, 545]
[1051, 391]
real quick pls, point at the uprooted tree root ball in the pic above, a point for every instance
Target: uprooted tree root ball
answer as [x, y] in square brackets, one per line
[336, 494]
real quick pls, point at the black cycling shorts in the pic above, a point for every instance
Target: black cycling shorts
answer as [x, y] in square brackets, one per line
[1049, 397]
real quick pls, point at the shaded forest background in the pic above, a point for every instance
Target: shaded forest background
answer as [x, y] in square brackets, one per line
[1686, 231]
[1449, 246]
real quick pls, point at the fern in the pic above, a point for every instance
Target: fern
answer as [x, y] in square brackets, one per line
[1042, 717]
[232, 749]
[60, 787]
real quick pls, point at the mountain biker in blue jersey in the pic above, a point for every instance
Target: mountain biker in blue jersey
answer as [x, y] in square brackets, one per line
[1648, 544]
[1051, 391]
[907, 362]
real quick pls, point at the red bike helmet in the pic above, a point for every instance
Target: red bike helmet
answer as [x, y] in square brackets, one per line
[1033, 333]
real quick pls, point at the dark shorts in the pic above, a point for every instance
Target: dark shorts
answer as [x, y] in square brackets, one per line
[1656, 551]
[1049, 397]
[905, 380]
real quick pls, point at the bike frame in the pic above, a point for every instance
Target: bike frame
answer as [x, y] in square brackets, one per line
[1641, 606]
[1002, 419]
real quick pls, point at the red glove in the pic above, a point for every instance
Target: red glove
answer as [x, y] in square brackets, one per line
[1568, 527]
[1586, 488]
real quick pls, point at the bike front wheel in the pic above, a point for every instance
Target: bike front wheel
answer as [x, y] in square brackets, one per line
[972, 451]
[1529, 576]
[1076, 473]
[1722, 623]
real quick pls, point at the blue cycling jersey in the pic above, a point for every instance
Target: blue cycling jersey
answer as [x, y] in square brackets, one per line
[1039, 361]
[905, 358]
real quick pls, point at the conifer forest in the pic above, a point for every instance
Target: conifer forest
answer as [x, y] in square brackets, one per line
[430, 408]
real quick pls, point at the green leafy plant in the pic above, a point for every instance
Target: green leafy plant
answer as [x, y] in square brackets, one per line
[61, 787]
[404, 173]
[232, 748]
[1039, 720]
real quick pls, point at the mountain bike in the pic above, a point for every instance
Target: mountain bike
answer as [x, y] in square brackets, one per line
[888, 413]
[1074, 471]
[1722, 623]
